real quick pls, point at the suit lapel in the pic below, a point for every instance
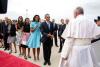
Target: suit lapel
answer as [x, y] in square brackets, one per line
[50, 26]
[47, 26]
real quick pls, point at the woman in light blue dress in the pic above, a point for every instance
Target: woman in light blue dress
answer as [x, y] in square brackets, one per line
[34, 39]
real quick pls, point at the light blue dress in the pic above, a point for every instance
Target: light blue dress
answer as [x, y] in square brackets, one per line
[34, 39]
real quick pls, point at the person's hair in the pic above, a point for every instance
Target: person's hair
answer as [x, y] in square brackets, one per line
[62, 19]
[14, 21]
[80, 9]
[21, 18]
[26, 19]
[35, 17]
[9, 21]
[47, 14]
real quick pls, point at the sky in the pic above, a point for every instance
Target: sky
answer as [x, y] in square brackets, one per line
[56, 8]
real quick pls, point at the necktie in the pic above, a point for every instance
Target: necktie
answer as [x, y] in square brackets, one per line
[49, 25]
[54, 25]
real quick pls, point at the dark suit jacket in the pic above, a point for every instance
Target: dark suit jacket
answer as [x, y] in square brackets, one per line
[45, 31]
[0, 27]
[4, 28]
[1, 36]
[61, 29]
[55, 26]
[12, 30]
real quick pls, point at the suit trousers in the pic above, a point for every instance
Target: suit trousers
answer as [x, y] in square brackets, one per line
[6, 45]
[61, 44]
[47, 45]
[55, 39]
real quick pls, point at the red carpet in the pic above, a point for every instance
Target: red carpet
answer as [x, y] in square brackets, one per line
[7, 60]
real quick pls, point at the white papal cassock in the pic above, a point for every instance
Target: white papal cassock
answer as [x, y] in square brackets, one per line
[77, 47]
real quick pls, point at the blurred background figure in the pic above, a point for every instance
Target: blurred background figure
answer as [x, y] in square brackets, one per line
[55, 32]
[62, 27]
[1, 35]
[11, 35]
[5, 33]
[97, 21]
[66, 21]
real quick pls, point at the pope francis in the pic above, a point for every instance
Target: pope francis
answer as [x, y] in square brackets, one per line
[77, 50]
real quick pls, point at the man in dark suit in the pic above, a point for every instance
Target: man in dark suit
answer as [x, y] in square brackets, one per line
[5, 33]
[55, 32]
[47, 39]
[62, 27]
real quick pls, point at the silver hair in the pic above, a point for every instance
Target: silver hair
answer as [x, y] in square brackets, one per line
[80, 9]
[47, 14]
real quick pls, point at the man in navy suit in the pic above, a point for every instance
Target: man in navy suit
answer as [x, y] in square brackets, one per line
[62, 27]
[5, 33]
[47, 38]
[55, 32]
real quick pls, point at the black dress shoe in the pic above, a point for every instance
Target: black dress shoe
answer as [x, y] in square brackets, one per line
[49, 63]
[59, 51]
[45, 63]
[29, 56]
[57, 46]
[5, 49]
[25, 57]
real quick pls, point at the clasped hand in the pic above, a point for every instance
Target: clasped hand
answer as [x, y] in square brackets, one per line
[51, 36]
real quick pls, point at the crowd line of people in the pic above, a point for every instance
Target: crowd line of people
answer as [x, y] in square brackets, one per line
[31, 34]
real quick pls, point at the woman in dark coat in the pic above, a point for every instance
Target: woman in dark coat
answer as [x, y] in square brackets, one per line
[11, 35]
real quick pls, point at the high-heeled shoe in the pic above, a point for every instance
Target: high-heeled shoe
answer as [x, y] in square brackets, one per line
[15, 51]
[25, 57]
[29, 56]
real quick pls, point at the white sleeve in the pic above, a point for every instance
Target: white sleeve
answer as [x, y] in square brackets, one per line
[68, 30]
[68, 45]
[64, 34]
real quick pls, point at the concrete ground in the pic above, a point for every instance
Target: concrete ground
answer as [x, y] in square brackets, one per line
[55, 56]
